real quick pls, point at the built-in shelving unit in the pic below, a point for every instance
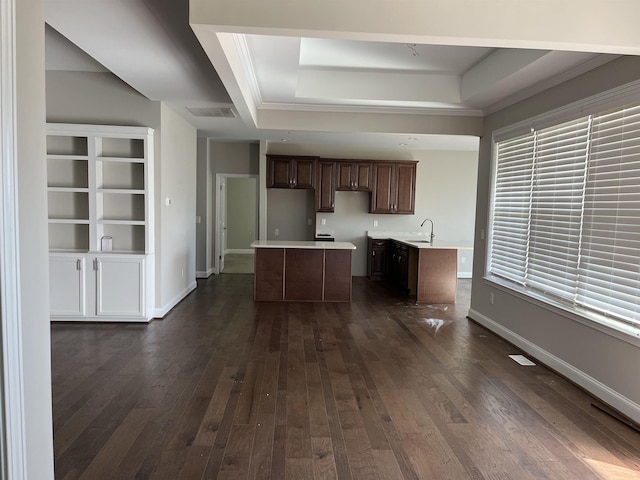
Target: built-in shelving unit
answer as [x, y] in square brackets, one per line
[100, 187]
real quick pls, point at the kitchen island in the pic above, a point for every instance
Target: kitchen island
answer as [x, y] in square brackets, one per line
[299, 271]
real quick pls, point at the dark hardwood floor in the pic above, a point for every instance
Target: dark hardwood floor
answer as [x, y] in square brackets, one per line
[379, 389]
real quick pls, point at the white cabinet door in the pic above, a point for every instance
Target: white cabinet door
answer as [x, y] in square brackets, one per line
[67, 285]
[120, 286]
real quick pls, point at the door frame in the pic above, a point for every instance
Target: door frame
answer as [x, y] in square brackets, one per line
[217, 234]
[13, 456]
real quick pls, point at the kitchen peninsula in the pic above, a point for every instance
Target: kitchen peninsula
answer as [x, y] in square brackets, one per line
[300, 271]
[427, 272]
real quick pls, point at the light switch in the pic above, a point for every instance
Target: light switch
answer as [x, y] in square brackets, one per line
[277, 232]
[168, 201]
[198, 219]
[375, 223]
[324, 221]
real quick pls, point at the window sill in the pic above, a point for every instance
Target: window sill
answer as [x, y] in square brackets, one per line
[618, 330]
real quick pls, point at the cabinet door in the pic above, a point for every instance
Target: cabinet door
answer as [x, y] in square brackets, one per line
[405, 188]
[362, 176]
[344, 177]
[120, 286]
[378, 259]
[325, 190]
[67, 285]
[279, 170]
[303, 173]
[383, 196]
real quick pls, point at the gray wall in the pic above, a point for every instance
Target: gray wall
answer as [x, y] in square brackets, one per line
[34, 249]
[599, 361]
[102, 98]
[242, 209]
[177, 172]
[445, 192]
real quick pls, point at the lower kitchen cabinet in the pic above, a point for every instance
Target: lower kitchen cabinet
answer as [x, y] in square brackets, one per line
[398, 267]
[377, 255]
[100, 287]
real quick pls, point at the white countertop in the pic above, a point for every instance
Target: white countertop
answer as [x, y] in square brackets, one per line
[415, 240]
[302, 244]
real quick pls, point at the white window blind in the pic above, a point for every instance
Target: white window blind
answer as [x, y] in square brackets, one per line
[556, 208]
[566, 214]
[610, 274]
[512, 207]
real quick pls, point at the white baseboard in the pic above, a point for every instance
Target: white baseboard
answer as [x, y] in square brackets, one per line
[465, 274]
[590, 384]
[162, 311]
[206, 274]
[239, 250]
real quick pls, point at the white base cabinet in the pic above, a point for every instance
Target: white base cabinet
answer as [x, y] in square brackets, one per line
[100, 287]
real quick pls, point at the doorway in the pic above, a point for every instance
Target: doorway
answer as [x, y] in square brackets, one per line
[236, 222]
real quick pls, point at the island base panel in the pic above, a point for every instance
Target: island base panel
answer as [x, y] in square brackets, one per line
[269, 279]
[437, 276]
[303, 275]
[337, 285]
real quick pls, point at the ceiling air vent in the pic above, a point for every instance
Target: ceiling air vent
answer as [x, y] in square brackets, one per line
[213, 112]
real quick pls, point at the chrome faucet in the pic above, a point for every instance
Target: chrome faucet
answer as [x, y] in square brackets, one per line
[431, 235]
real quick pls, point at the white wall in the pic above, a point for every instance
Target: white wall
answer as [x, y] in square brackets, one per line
[445, 192]
[33, 261]
[177, 171]
[600, 362]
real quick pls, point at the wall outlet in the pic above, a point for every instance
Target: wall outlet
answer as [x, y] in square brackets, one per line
[375, 223]
[491, 298]
[277, 232]
[323, 221]
[463, 260]
[482, 234]
[308, 221]
[198, 219]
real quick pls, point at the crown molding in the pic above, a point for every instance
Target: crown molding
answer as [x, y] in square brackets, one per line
[333, 108]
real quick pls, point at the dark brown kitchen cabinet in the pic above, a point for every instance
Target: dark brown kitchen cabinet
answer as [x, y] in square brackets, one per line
[394, 188]
[290, 172]
[378, 263]
[325, 187]
[354, 176]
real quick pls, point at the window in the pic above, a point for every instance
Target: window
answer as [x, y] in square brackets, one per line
[566, 214]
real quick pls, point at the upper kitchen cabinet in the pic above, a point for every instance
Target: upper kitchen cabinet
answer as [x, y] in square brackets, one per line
[290, 172]
[354, 176]
[394, 187]
[325, 186]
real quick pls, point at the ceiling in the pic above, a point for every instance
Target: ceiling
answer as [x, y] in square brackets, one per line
[303, 86]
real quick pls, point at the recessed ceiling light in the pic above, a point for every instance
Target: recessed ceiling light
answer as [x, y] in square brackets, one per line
[402, 144]
[413, 139]
[285, 139]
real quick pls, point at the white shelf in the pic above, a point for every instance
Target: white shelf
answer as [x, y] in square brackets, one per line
[121, 159]
[68, 189]
[100, 177]
[121, 191]
[67, 157]
[71, 221]
[106, 221]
